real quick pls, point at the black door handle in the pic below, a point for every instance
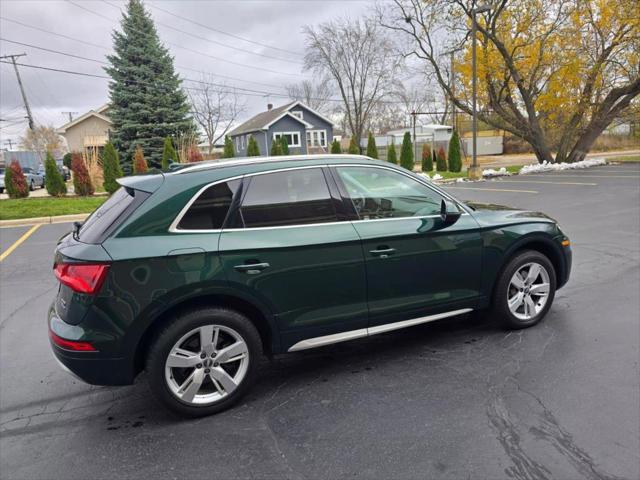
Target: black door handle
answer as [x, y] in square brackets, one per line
[252, 268]
[382, 251]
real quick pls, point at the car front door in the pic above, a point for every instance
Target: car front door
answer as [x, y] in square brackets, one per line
[292, 247]
[416, 264]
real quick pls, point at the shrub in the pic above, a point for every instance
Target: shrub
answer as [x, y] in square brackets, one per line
[354, 148]
[335, 147]
[111, 169]
[253, 150]
[276, 148]
[66, 160]
[284, 146]
[441, 161]
[81, 180]
[229, 151]
[392, 157]
[139, 162]
[14, 182]
[406, 154]
[194, 155]
[53, 179]
[455, 161]
[372, 150]
[169, 154]
[427, 159]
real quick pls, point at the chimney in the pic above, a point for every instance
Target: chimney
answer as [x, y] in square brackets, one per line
[269, 106]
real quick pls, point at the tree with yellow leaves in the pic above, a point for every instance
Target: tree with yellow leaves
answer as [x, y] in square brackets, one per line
[555, 73]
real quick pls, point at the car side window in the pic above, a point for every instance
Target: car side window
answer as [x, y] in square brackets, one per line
[210, 209]
[380, 193]
[291, 197]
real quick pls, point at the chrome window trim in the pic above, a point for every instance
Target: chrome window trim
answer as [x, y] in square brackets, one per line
[367, 332]
[173, 228]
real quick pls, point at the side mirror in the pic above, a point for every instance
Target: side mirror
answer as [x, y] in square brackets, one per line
[449, 212]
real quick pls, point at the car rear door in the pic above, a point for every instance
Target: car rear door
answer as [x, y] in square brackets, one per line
[290, 245]
[416, 265]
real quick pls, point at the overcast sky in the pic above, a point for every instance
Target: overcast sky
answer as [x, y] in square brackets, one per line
[87, 26]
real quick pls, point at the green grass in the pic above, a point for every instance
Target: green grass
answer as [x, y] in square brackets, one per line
[628, 158]
[47, 206]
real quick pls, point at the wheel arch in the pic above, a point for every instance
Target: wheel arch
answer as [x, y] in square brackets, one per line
[260, 318]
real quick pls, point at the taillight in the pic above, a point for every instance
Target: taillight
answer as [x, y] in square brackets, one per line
[81, 277]
[71, 344]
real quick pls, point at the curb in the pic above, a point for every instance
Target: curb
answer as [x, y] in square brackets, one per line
[23, 222]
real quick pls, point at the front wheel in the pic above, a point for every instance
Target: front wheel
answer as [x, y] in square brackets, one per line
[204, 361]
[525, 290]
[32, 186]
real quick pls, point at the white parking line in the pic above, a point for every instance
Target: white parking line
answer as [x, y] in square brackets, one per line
[492, 189]
[579, 175]
[542, 181]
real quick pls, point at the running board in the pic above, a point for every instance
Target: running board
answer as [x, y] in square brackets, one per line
[367, 332]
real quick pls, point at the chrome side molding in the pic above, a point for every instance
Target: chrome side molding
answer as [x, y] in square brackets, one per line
[366, 332]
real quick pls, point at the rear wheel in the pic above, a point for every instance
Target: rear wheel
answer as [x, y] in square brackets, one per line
[525, 290]
[32, 186]
[204, 361]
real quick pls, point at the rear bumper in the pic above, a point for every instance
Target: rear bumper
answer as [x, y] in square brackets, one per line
[91, 367]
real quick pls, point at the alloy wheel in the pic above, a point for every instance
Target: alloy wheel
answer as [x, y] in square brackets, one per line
[206, 365]
[528, 291]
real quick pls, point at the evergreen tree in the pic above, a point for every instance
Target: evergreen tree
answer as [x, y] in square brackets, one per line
[354, 149]
[335, 147]
[82, 185]
[253, 150]
[139, 162]
[229, 151]
[15, 182]
[284, 146]
[147, 102]
[53, 179]
[276, 148]
[455, 160]
[392, 157]
[427, 159]
[372, 150]
[169, 154]
[66, 160]
[111, 168]
[406, 154]
[441, 162]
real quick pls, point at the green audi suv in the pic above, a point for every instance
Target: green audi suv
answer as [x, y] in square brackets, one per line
[193, 274]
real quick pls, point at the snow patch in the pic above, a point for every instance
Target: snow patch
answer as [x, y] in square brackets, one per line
[552, 167]
[490, 172]
[437, 176]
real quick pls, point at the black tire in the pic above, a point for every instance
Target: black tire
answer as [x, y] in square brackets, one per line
[31, 186]
[185, 322]
[500, 307]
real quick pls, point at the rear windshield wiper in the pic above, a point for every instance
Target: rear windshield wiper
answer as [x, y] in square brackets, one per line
[76, 229]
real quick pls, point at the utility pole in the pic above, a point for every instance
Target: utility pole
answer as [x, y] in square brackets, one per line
[10, 142]
[71, 114]
[24, 95]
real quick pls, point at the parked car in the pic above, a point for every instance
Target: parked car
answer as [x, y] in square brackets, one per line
[192, 274]
[32, 178]
[64, 171]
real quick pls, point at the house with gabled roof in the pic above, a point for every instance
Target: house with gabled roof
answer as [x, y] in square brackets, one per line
[89, 131]
[306, 130]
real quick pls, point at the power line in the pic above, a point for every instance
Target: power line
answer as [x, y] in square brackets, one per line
[252, 67]
[190, 34]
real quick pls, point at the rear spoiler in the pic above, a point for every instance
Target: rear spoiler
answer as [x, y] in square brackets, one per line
[146, 183]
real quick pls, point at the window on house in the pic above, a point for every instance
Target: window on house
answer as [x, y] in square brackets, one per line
[293, 138]
[316, 138]
[298, 114]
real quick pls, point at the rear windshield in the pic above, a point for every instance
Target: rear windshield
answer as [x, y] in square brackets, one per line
[110, 213]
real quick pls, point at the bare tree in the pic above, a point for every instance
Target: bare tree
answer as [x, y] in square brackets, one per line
[554, 73]
[42, 139]
[316, 95]
[215, 108]
[359, 58]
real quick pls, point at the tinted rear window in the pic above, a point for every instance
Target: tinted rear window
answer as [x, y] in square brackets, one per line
[293, 197]
[110, 212]
[210, 209]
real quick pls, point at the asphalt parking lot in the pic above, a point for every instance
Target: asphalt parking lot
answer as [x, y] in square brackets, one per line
[455, 399]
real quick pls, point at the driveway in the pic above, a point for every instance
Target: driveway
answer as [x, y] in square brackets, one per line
[455, 399]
